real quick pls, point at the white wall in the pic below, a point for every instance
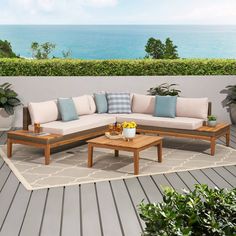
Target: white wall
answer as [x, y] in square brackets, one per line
[44, 88]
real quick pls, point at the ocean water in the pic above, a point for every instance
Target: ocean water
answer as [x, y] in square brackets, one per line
[123, 42]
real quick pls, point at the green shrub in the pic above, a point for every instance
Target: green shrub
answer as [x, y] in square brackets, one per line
[145, 67]
[201, 212]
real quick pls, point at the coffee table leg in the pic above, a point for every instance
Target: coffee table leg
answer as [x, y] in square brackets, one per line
[90, 155]
[136, 162]
[9, 148]
[47, 152]
[116, 153]
[213, 146]
[159, 152]
[228, 138]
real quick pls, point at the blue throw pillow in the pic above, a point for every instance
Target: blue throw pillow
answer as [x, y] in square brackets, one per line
[165, 106]
[101, 102]
[67, 109]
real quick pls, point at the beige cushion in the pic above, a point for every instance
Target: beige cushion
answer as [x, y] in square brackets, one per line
[143, 104]
[192, 107]
[150, 120]
[84, 105]
[43, 112]
[84, 122]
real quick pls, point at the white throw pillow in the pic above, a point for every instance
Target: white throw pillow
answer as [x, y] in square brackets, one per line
[43, 112]
[143, 104]
[192, 107]
[84, 105]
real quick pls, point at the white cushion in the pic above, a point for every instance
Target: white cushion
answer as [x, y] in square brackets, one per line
[43, 112]
[150, 120]
[143, 104]
[84, 105]
[192, 107]
[85, 122]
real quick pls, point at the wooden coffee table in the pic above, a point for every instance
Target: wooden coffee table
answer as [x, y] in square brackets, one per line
[139, 143]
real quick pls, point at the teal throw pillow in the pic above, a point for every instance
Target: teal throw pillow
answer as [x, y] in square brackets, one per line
[67, 109]
[101, 102]
[165, 106]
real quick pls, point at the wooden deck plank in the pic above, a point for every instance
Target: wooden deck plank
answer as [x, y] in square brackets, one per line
[188, 179]
[231, 169]
[1, 162]
[226, 175]
[217, 179]
[90, 211]
[16, 212]
[130, 222]
[202, 178]
[34, 214]
[161, 182]
[137, 195]
[176, 182]
[109, 217]
[51, 224]
[7, 195]
[3, 138]
[71, 212]
[150, 188]
[4, 174]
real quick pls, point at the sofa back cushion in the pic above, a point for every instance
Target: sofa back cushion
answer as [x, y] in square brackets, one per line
[143, 104]
[165, 106]
[84, 105]
[119, 103]
[67, 109]
[43, 112]
[192, 107]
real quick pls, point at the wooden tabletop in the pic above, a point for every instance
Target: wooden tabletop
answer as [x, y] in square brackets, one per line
[217, 128]
[29, 134]
[138, 142]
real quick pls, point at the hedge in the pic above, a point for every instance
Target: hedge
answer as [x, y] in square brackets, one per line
[75, 67]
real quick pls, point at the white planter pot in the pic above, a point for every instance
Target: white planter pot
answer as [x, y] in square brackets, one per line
[129, 133]
[6, 121]
[232, 109]
[212, 123]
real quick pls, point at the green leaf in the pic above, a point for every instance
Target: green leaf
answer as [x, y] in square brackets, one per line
[9, 109]
[3, 100]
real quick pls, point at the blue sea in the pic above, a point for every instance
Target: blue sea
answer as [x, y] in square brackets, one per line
[123, 42]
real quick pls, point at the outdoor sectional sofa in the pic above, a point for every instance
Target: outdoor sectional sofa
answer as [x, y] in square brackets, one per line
[191, 116]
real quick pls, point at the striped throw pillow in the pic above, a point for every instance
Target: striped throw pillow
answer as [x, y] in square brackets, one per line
[118, 103]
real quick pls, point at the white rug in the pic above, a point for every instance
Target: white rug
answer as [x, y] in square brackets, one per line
[70, 167]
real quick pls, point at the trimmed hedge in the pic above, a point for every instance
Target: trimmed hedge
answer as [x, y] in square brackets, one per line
[144, 67]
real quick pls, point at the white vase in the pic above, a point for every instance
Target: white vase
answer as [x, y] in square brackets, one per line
[6, 121]
[233, 113]
[212, 123]
[129, 133]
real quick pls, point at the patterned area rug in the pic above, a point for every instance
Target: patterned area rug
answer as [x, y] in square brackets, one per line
[69, 167]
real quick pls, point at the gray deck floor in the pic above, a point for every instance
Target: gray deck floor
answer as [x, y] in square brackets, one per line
[105, 208]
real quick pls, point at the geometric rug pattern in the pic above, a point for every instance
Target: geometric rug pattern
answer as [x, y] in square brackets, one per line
[69, 167]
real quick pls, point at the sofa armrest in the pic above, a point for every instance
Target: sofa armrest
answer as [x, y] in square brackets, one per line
[26, 118]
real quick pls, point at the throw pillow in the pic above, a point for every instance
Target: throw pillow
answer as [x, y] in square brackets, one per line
[165, 106]
[101, 102]
[67, 109]
[118, 103]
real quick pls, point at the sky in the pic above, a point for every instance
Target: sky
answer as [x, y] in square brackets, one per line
[118, 12]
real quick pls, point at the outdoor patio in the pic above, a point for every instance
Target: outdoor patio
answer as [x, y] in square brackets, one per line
[103, 208]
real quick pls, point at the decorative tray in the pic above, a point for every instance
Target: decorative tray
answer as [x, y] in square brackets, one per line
[113, 136]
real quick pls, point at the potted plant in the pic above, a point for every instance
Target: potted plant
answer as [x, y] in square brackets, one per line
[129, 130]
[211, 121]
[230, 101]
[164, 90]
[8, 101]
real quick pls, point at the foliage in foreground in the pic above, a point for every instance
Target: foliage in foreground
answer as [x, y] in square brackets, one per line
[203, 211]
[144, 67]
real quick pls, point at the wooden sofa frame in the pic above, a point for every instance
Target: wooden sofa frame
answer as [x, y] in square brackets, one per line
[203, 133]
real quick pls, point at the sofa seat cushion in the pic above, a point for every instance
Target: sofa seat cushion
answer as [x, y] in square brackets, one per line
[174, 123]
[85, 122]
